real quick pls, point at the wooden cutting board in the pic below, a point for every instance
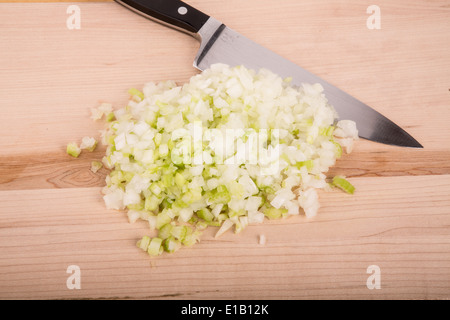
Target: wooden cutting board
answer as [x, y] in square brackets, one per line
[52, 214]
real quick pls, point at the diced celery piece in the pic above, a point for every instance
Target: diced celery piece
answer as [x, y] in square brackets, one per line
[179, 232]
[135, 92]
[343, 184]
[274, 213]
[162, 219]
[73, 149]
[155, 248]
[171, 245]
[205, 214]
[143, 243]
[165, 231]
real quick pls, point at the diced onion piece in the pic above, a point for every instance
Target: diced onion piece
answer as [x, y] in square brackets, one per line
[262, 239]
[309, 201]
[102, 109]
[95, 166]
[88, 143]
[226, 225]
[133, 216]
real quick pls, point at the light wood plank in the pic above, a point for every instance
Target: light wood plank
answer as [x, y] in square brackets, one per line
[58, 170]
[400, 70]
[403, 230]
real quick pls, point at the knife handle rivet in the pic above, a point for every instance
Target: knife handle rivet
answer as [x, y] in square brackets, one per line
[182, 10]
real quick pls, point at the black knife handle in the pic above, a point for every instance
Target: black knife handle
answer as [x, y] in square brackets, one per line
[173, 12]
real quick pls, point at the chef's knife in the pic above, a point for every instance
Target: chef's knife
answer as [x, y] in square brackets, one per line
[220, 44]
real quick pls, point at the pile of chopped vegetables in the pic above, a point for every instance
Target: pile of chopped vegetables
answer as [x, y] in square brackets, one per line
[229, 148]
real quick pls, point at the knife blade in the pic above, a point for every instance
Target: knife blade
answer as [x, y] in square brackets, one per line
[220, 44]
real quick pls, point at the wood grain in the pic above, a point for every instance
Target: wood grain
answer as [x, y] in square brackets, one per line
[57, 170]
[405, 231]
[52, 214]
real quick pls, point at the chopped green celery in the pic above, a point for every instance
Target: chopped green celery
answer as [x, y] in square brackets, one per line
[112, 147]
[113, 125]
[196, 194]
[274, 213]
[158, 139]
[95, 166]
[307, 122]
[238, 213]
[161, 104]
[309, 164]
[165, 231]
[338, 149]
[110, 117]
[220, 195]
[193, 220]
[180, 203]
[236, 189]
[167, 203]
[267, 189]
[180, 167]
[137, 206]
[205, 214]
[180, 181]
[327, 131]
[115, 176]
[209, 99]
[191, 237]
[170, 244]
[200, 224]
[155, 248]
[135, 92]
[238, 227]
[73, 149]
[206, 173]
[152, 203]
[166, 109]
[155, 188]
[255, 126]
[179, 232]
[211, 223]
[162, 219]
[343, 184]
[151, 169]
[179, 156]
[163, 150]
[143, 243]
[285, 157]
[167, 180]
[127, 176]
[222, 217]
